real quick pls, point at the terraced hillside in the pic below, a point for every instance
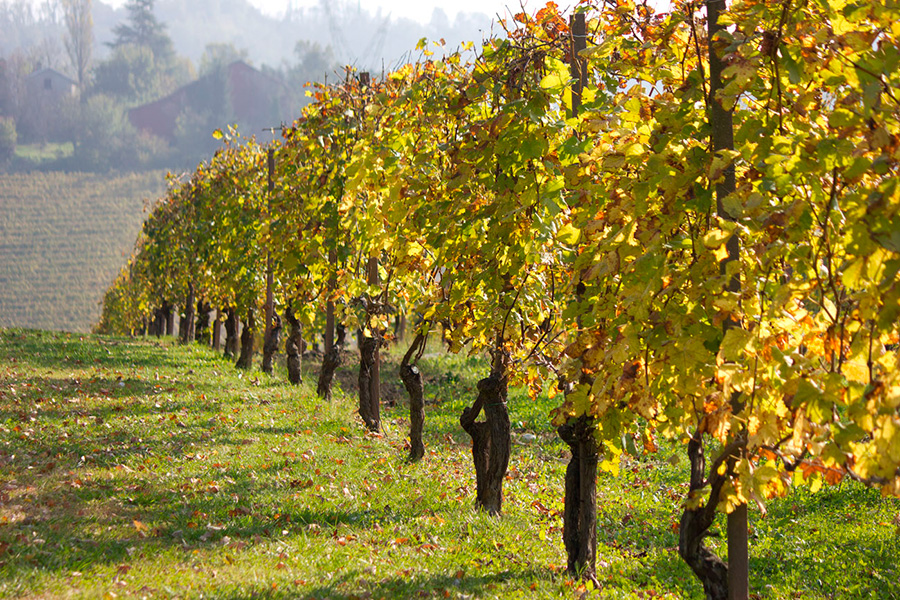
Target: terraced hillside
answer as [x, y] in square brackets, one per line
[63, 239]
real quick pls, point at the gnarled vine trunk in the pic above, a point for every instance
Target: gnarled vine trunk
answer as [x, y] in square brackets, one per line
[412, 381]
[188, 325]
[169, 315]
[711, 570]
[158, 327]
[490, 440]
[231, 333]
[580, 514]
[369, 404]
[270, 345]
[203, 335]
[293, 347]
[245, 361]
[330, 362]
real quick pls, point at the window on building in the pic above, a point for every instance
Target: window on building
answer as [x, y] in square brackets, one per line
[48, 84]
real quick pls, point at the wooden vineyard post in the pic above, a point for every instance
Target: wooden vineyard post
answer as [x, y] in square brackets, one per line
[369, 355]
[369, 343]
[722, 133]
[329, 326]
[373, 279]
[369, 364]
[331, 359]
[721, 580]
[329, 306]
[270, 340]
[580, 514]
[578, 66]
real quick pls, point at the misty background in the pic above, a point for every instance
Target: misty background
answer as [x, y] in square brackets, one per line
[97, 104]
[156, 77]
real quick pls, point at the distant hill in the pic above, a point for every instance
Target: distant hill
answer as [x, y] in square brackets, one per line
[63, 239]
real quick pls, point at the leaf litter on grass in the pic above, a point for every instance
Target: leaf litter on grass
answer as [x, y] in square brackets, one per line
[133, 468]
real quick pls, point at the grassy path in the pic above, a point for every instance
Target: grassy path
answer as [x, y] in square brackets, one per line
[141, 469]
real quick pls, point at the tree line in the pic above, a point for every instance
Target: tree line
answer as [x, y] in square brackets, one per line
[682, 225]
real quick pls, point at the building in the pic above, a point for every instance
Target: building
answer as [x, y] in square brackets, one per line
[237, 93]
[49, 85]
[46, 91]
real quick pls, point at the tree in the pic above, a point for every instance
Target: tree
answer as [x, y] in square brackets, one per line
[313, 63]
[8, 138]
[218, 56]
[134, 74]
[142, 29]
[79, 38]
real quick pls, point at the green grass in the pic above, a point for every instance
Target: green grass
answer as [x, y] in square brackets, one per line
[37, 154]
[63, 239]
[132, 468]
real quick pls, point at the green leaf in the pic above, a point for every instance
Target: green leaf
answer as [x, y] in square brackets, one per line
[533, 148]
[795, 74]
[842, 118]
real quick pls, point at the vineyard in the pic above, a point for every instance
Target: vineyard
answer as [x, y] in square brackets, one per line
[62, 240]
[684, 227]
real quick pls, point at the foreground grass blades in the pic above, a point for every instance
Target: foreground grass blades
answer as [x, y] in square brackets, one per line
[133, 468]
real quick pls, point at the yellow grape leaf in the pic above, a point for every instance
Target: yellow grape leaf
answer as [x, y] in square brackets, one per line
[568, 234]
[634, 149]
[695, 500]
[579, 399]
[611, 465]
[715, 238]
[721, 253]
[856, 370]
[557, 76]
[734, 343]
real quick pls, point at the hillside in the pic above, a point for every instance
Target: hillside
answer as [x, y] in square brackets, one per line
[63, 239]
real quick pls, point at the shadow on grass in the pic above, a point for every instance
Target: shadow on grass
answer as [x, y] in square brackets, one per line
[357, 584]
[78, 524]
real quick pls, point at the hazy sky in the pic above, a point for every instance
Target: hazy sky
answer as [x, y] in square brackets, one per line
[419, 10]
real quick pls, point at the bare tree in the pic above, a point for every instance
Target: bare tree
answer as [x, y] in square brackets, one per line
[80, 36]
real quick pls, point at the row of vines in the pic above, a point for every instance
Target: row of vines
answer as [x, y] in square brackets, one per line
[687, 224]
